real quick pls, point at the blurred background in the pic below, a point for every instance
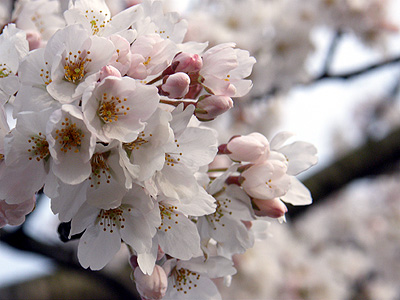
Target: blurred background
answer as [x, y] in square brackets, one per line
[327, 70]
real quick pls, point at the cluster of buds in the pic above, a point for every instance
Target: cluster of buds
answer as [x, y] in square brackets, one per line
[103, 110]
[267, 170]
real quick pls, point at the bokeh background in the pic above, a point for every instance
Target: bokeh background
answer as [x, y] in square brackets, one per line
[327, 70]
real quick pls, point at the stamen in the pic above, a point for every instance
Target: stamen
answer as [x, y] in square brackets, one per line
[40, 147]
[110, 219]
[69, 137]
[110, 109]
[75, 65]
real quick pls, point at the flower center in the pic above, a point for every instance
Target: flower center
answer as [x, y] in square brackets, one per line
[4, 70]
[136, 144]
[69, 137]
[111, 218]
[39, 148]
[184, 280]
[173, 158]
[100, 168]
[75, 64]
[95, 22]
[220, 211]
[167, 213]
[110, 109]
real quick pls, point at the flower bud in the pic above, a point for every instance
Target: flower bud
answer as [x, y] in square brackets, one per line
[251, 147]
[109, 71]
[211, 106]
[34, 39]
[273, 208]
[176, 85]
[187, 62]
[152, 286]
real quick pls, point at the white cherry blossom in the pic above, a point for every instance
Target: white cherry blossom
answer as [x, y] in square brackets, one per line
[71, 144]
[116, 108]
[73, 56]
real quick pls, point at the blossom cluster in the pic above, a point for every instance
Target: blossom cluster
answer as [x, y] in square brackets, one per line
[109, 116]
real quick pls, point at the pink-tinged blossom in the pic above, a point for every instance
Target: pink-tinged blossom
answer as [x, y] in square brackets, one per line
[153, 286]
[267, 180]
[145, 155]
[121, 58]
[150, 55]
[225, 225]
[175, 86]
[300, 155]
[74, 57]
[191, 279]
[169, 26]
[192, 148]
[134, 222]
[116, 108]
[13, 48]
[14, 214]
[224, 69]
[249, 148]
[95, 17]
[27, 157]
[104, 188]
[34, 75]
[40, 17]
[210, 106]
[71, 144]
[177, 235]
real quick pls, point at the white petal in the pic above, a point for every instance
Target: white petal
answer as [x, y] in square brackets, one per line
[298, 193]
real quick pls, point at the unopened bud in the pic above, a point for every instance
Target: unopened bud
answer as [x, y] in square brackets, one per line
[187, 62]
[211, 106]
[273, 208]
[34, 39]
[176, 85]
[251, 147]
[152, 286]
[109, 71]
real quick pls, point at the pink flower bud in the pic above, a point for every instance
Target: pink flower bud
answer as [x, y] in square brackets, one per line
[251, 147]
[152, 286]
[212, 106]
[176, 85]
[273, 208]
[109, 71]
[34, 39]
[187, 62]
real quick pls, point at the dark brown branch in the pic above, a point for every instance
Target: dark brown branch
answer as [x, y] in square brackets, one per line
[358, 72]
[66, 258]
[373, 158]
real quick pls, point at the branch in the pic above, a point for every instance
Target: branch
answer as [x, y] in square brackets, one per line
[361, 71]
[373, 158]
[66, 258]
[331, 51]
